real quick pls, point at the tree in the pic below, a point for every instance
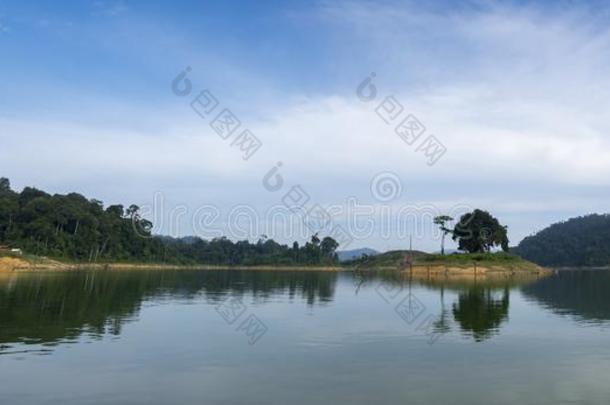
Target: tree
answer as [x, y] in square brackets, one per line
[116, 210]
[295, 252]
[315, 240]
[132, 211]
[312, 250]
[441, 221]
[5, 185]
[9, 207]
[328, 248]
[479, 232]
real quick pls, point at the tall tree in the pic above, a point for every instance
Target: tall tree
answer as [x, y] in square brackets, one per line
[442, 221]
[478, 232]
[5, 185]
[328, 248]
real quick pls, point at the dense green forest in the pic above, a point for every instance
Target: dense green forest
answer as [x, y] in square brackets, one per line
[582, 241]
[72, 227]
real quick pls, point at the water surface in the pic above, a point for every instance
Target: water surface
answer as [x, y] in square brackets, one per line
[259, 337]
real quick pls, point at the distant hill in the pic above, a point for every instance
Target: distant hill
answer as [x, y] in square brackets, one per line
[582, 241]
[353, 254]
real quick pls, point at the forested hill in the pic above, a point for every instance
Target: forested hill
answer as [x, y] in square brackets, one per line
[75, 228]
[582, 241]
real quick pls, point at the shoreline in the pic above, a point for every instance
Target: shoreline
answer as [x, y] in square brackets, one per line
[439, 269]
[9, 264]
[12, 264]
[441, 274]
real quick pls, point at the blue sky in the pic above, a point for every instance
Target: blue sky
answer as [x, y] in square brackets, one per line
[518, 92]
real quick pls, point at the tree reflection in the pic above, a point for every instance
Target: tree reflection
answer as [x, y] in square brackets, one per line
[53, 308]
[443, 324]
[580, 293]
[480, 312]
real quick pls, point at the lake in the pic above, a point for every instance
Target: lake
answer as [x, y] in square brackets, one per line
[272, 337]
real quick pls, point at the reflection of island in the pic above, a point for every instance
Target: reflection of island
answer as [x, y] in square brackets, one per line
[580, 293]
[480, 311]
[482, 303]
[52, 308]
[481, 306]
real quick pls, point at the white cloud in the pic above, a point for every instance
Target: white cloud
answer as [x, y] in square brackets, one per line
[518, 97]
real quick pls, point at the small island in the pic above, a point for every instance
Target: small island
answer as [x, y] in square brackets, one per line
[420, 264]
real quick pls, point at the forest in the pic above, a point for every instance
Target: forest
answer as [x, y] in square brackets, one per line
[73, 228]
[581, 241]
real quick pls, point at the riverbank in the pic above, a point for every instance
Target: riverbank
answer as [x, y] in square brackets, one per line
[419, 265]
[475, 269]
[34, 264]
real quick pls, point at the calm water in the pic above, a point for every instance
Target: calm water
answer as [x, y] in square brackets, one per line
[301, 338]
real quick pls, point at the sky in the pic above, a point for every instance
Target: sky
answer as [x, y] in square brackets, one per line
[516, 94]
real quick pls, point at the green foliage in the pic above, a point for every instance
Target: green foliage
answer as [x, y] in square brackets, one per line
[479, 232]
[488, 258]
[582, 241]
[442, 221]
[394, 258]
[398, 258]
[73, 228]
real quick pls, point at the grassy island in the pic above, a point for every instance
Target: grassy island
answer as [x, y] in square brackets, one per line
[435, 265]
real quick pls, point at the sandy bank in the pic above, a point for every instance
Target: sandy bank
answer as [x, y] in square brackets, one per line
[476, 269]
[12, 264]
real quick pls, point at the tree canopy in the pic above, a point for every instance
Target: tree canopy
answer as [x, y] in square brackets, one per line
[478, 232]
[582, 241]
[73, 227]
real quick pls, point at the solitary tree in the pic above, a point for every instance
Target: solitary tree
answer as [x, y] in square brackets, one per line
[478, 231]
[328, 248]
[441, 221]
[5, 185]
